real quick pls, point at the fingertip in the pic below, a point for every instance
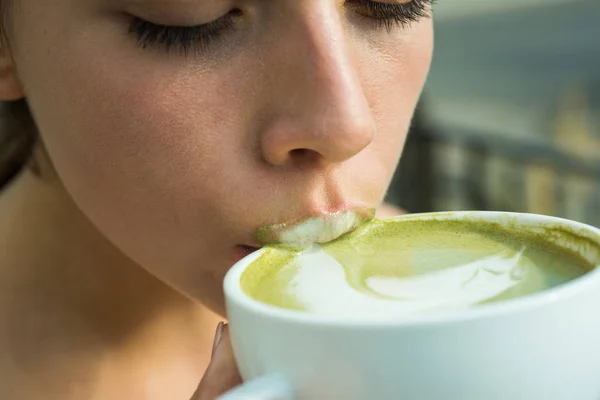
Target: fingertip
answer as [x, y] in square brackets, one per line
[218, 337]
[222, 374]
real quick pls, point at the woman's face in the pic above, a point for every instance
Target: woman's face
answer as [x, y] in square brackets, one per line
[178, 143]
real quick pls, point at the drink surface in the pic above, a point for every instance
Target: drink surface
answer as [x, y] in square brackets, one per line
[399, 268]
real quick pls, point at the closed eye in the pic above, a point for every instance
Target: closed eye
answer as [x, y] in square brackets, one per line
[184, 39]
[197, 39]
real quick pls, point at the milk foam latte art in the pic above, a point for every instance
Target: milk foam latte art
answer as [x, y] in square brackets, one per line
[400, 268]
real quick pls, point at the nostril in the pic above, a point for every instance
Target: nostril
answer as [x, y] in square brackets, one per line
[303, 155]
[299, 153]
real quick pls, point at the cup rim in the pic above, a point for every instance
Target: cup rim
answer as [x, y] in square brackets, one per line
[235, 294]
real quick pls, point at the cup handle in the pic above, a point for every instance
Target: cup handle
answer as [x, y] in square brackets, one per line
[267, 387]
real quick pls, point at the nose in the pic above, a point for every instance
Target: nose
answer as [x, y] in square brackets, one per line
[318, 112]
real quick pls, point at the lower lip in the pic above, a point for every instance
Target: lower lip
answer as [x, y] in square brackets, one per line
[242, 251]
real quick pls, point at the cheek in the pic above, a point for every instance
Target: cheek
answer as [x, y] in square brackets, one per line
[398, 71]
[141, 134]
[131, 134]
[119, 121]
[394, 73]
[142, 152]
[146, 161]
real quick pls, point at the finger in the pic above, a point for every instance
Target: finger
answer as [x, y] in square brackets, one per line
[222, 373]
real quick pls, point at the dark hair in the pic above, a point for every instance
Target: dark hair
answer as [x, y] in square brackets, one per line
[17, 129]
[18, 136]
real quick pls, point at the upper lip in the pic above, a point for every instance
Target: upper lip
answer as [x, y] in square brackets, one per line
[317, 228]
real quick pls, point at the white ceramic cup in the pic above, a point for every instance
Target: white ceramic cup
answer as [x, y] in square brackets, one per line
[543, 346]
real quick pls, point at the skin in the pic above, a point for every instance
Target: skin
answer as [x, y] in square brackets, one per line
[157, 167]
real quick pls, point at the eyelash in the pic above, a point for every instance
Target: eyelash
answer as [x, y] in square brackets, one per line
[181, 38]
[390, 15]
[186, 39]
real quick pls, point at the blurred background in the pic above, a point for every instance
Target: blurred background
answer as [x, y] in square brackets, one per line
[510, 117]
